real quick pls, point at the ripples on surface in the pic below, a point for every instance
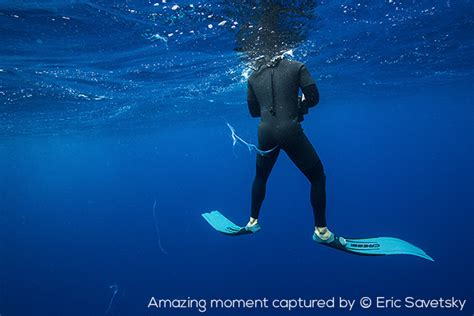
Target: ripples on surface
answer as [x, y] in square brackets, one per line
[69, 66]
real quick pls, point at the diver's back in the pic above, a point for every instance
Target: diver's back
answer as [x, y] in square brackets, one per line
[276, 89]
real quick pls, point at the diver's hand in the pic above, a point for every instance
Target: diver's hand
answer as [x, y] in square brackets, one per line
[302, 109]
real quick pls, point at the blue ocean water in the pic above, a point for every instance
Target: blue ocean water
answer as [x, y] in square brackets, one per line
[113, 141]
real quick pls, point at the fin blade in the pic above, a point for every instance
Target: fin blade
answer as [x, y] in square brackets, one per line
[384, 246]
[221, 223]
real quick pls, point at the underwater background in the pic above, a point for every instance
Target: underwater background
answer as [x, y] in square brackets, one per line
[113, 141]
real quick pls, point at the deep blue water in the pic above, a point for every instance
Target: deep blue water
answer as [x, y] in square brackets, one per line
[107, 107]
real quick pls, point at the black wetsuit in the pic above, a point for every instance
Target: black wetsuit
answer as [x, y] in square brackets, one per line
[273, 96]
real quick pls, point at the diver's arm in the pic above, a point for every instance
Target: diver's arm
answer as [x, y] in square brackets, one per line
[311, 95]
[252, 102]
[310, 92]
[308, 86]
[309, 99]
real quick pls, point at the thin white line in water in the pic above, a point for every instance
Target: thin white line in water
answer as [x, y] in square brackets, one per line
[158, 229]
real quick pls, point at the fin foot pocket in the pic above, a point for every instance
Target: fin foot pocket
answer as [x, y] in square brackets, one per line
[333, 241]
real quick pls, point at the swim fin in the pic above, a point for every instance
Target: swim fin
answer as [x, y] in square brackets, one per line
[378, 246]
[223, 225]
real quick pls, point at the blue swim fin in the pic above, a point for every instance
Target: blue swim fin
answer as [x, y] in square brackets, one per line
[378, 246]
[223, 225]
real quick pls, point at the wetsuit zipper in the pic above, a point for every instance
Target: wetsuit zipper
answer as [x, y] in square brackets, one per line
[272, 108]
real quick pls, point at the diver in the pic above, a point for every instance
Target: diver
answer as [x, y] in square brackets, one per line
[272, 95]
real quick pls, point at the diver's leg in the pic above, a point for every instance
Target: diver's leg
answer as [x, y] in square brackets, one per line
[302, 153]
[264, 167]
[317, 179]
